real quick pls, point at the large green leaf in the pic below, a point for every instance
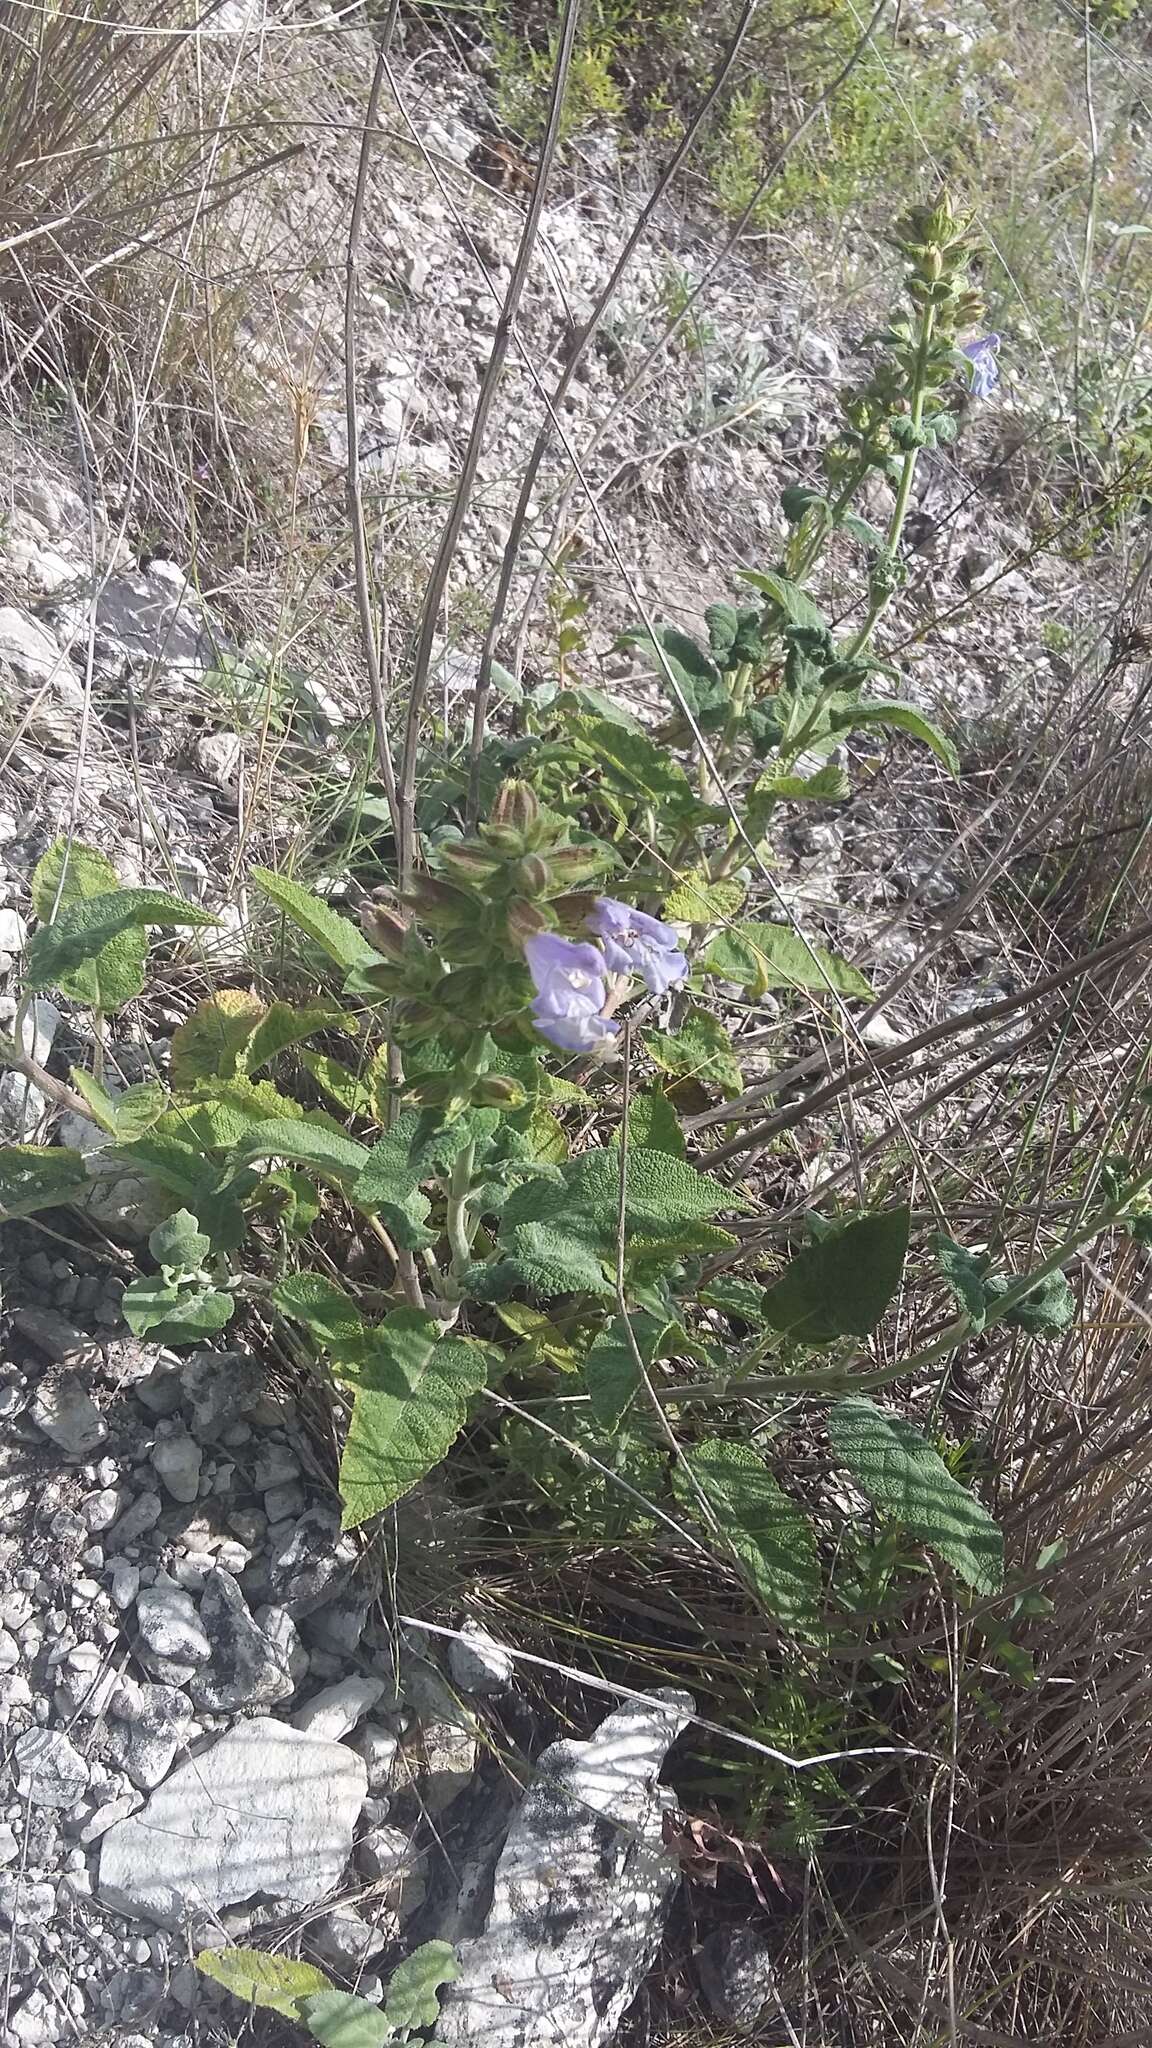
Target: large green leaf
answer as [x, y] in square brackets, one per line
[697, 899]
[769, 1534]
[677, 654]
[285, 1025]
[412, 2000]
[208, 1045]
[328, 1153]
[641, 767]
[173, 1314]
[327, 1313]
[905, 1478]
[338, 2019]
[71, 873]
[562, 1237]
[700, 1051]
[841, 1285]
[790, 599]
[335, 935]
[415, 1384]
[905, 718]
[764, 956]
[93, 943]
[39, 1177]
[275, 1982]
[389, 1184]
[652, 1124]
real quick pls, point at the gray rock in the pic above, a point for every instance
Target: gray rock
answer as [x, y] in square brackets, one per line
[581, 1890]
[27, 648]
[106, 1817]
[338, 1626]
[37, 2022]
[49, 1771]
[265, 1812]
[479, 1663]
[24, 1903]
[344, 1939]
[284, 1636]
[160, 1391]
[169, 1631]
[153, 1722]
[219, 757]
[176, 1461]
[133, 1996]
[68, 1416]
[736, 1967]
[386, 1855]
[276, 1465]
[439, 1761]
[55, 1336]
[378, 1747]
[143, 1515]
[311, 1562]
[220, 1387]
[246, 1667]
[336, 1711]
[9, 1846]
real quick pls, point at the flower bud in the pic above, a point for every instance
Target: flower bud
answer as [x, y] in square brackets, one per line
[531, 875]
[434, 899]
[503, 839]
[516, 806]
[468, 861]
[572, 865]
[525, 920]
[385, 929]
[498, 1091]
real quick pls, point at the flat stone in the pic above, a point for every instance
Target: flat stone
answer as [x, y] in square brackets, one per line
[27, 647]
[136, 1521]
[169, 1628]
[335, 1711]
[266, 1812]
[55, 1336]
[479, 1663]
[68, 1416]
[176, 1461]
[220, 1387]
[49, 1771]
[581, 1891]
[737, 1970]
[246, 1668]
[311, 1563]
[153, 1722]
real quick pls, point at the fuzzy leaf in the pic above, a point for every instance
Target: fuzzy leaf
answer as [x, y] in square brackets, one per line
[790, 600]
[653, 1125]
[965, 1273]
[764, 956]
[275, 1982]
[207, 1046]
[71, 873]
[609, 1370]
[353, 1093]
[125, 1116]
[335, 935]
[906, 1479]
[841, 1286]
[337, 2019]
[827, 785]
[641, 767]
[412, 1999]
[700, 1051]
[39, 1177]
[906, 719]
[328, 1153]
[89, 934]
[389, 1184]
[697, 900]
[696, 676]
[1047, 1311]
[542, 1338]
[172, 1314]
[769, 1534]
[285, 1025]
[414, 1388]
[562, 1236]
[327, 1313]
[179, 1243]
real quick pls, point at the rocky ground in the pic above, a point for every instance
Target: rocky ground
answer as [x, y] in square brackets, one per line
[211, 1730]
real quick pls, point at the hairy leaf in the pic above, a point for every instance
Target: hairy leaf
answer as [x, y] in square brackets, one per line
[542, 1338]
[208, 1045]
[765, 956]
[905, 1478]
[39, 1177]
[338, 2019]
[841, 1286]
[562, 1234]
[791, 601]
[698, 900]
[1047, 1311]
[768, 1533]
[328, 1153]
[71, 873]
[179, 1243]
[826, 785]
[414, 1387]
[610, 1372]
[285, 1025]
[90, 934]
[641, 767]
[335, 935]
[652, 1125]
[175, 1314]
[696, 676]
[327, 1313]
[700, 1051]
[412, 1998]
[906, 719]
[389, 1184]
[353, 1093]
[966, 1274]
[275, 1982]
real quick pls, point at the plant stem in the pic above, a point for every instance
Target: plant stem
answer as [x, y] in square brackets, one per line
[883, 598]
[460, 1229]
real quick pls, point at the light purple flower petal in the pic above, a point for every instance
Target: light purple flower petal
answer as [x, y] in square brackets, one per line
[568, 975]
[635, 943]
[581, 1032]
[984, 371]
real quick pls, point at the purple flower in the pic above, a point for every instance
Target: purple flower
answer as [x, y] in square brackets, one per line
[984, 371]
[635, 943]
[570, 992]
